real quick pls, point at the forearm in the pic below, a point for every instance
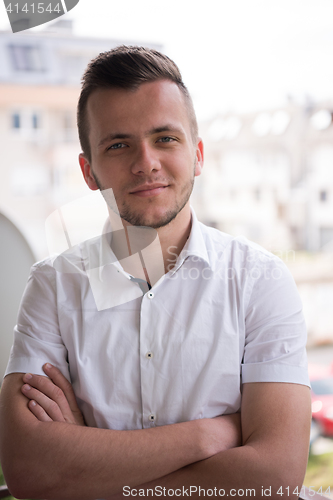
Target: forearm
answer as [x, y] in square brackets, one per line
[55, 459]
[62, 460]
[275, 431]
[238, 472]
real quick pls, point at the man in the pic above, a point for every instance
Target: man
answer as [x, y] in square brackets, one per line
[196, 376]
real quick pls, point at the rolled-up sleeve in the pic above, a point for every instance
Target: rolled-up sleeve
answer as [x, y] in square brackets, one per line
[275, 328]
[37, 338]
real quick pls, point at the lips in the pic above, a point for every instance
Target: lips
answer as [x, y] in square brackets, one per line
[149, 190]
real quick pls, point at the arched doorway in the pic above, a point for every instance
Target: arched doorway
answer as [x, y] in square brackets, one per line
[16, 258]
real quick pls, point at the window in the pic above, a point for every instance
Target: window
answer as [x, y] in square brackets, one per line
[35, 121]
[26, 121]
[323, 196]
[26, 58]
[16, 121]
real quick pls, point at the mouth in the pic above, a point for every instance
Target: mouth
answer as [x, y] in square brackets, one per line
[149, 190]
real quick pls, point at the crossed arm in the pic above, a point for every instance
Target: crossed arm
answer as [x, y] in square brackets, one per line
[53, 455]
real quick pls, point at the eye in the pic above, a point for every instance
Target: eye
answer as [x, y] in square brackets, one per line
[117, 145]
[166, 139]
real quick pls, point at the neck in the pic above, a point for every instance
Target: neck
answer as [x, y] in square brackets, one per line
[154, 251]
[173, 238]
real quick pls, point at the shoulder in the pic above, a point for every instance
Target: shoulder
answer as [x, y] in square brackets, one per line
[58, 270]
[43, 269]
[236, 249]
[74, 260]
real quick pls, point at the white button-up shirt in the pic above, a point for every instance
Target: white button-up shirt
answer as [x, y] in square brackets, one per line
[228, 313]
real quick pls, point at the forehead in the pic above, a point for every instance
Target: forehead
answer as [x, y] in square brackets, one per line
[151, 105]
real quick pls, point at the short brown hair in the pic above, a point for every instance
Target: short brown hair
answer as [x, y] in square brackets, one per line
[127, 67]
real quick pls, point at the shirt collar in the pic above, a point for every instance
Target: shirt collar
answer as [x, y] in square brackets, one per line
[195, 245]
[106, 254]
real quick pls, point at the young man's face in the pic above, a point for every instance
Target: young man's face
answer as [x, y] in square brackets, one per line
[142, 148]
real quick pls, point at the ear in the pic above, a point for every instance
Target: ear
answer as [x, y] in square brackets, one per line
[199, 157]
[87, 172]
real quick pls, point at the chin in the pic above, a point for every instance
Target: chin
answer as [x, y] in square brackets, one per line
[155, 220]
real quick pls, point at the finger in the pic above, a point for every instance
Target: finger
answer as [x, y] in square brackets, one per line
[38, 411]
[47, 404]
[49, 389]
[46, 386]
[60, 381]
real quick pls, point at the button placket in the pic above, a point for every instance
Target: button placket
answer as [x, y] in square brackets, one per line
[148, 320]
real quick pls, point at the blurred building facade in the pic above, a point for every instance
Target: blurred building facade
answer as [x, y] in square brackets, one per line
[269, 176]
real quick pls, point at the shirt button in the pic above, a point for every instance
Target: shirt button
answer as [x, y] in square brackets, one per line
[150, 295]
[152, 417]
[149, 355]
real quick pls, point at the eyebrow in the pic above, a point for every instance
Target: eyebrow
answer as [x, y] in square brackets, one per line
[155, 130]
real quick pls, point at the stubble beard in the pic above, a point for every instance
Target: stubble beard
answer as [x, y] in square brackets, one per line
[136, 219]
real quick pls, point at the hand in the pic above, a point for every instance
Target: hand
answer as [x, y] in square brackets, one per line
[51, 398]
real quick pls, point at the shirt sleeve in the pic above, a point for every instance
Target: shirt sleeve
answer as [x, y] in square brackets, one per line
[275, 337]
[37, 338]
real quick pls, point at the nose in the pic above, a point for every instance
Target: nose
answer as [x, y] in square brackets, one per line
[145, 160]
